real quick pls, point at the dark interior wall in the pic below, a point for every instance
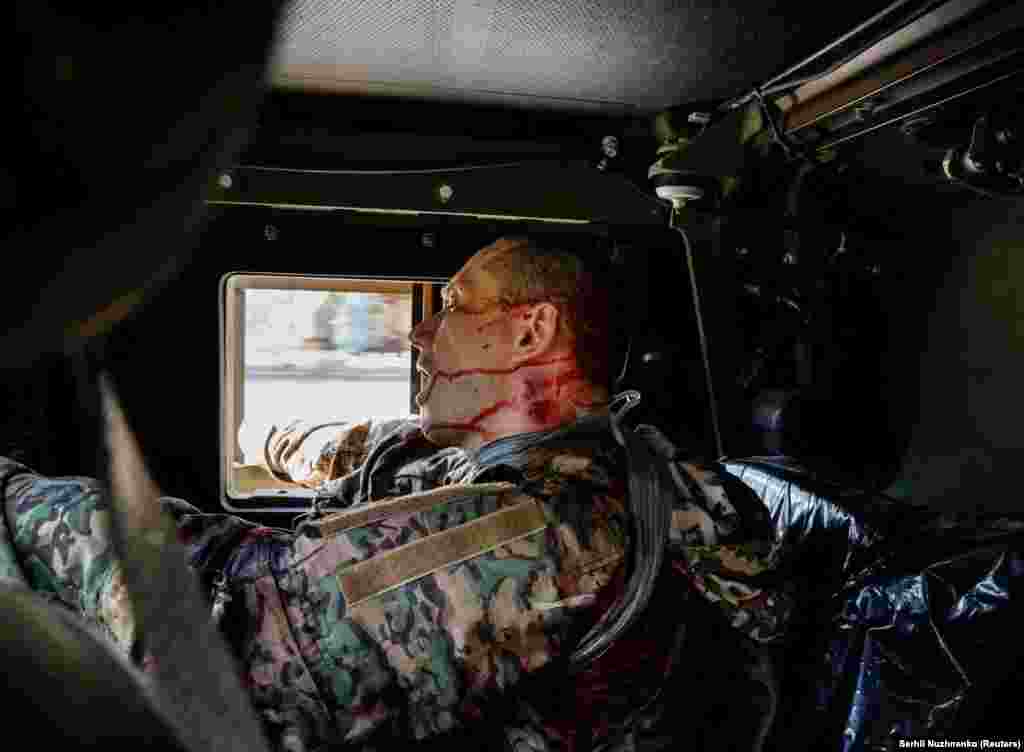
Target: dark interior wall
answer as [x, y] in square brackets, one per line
[968, 442]
[322, 131]
[955, 307]
[31, 398]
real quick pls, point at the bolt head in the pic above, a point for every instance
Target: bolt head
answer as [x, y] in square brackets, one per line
[445, 192]
[270, 232]
[224, 180]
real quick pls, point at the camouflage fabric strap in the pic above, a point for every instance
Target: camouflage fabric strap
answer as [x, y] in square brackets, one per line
[391, 570]
[367, 514]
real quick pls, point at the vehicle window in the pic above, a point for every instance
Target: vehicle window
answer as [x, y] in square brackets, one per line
[313, 349]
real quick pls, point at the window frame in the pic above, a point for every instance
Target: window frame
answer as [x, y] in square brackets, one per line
[425, 293]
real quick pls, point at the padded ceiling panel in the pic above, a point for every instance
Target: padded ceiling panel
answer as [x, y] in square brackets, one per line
[575, 54]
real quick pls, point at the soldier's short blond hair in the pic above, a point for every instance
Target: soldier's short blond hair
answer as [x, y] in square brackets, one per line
[531, 272]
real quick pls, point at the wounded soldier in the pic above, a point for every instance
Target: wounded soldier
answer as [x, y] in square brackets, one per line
[466, 554]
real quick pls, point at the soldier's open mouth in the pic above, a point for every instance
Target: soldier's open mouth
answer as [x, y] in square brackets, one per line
[424, 394]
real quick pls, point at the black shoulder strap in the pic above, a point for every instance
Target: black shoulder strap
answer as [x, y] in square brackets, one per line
[652, 515]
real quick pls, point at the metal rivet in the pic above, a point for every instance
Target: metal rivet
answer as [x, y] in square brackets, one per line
[270, 232]
[224, 180]
[446, 192]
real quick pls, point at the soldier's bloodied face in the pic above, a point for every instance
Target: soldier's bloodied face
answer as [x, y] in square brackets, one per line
[490, 366]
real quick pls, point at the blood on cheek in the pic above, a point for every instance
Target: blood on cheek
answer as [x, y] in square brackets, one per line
[541, 400]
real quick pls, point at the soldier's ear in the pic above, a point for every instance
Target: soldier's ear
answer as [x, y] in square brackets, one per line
[536, 330]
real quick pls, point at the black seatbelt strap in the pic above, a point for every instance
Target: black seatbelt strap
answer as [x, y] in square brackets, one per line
[651, 509]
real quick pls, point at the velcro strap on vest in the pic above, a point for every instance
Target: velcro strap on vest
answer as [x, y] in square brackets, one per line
[366, 514]
[399, 566]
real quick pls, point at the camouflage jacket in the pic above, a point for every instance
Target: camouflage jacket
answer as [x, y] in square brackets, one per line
[469, 649]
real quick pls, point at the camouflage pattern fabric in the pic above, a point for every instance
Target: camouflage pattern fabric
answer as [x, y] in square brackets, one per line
[56, 541]
[344, 451]
[480, 643]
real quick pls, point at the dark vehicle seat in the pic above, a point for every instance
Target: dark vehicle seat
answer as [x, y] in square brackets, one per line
[67, 686]
[829, 527]
[901, 610]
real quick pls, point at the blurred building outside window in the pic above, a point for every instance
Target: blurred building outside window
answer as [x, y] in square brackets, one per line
[322, 356]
